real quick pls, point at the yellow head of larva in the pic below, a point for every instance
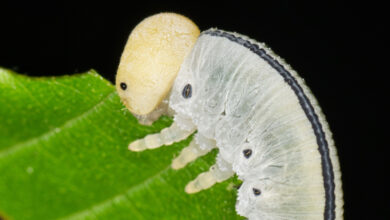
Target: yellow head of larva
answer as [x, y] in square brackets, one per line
[152, 58]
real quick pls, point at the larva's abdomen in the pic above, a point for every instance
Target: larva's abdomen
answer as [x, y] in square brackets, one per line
[249, 100]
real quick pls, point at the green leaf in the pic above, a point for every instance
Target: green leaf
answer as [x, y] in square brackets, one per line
[63, 155]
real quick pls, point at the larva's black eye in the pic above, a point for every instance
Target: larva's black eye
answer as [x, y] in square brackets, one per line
[123, 86]
[187, 91]
[247, 153]
[257, 192]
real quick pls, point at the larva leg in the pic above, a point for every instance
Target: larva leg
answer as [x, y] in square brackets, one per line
[207, 179]
[167, 136]
[189, 154]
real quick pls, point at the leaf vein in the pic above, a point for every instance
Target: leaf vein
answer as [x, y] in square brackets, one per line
[102, 206]
[50, 133]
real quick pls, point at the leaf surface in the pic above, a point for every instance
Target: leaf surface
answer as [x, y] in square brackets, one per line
[63, 155]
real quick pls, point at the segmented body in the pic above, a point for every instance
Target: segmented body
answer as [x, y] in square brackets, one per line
[267, 125]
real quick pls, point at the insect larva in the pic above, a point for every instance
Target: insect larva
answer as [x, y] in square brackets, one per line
[242, 99]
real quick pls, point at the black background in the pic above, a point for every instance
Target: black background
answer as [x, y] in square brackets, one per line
[338, 48]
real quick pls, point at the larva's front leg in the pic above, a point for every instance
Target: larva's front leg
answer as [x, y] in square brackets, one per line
[167, 136]
[217, 173]
[190, 153]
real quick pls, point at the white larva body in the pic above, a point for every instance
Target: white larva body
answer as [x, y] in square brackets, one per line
[243, 100]
[244, 97]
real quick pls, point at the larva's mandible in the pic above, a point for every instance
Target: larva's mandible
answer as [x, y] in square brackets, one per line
[242, 99]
